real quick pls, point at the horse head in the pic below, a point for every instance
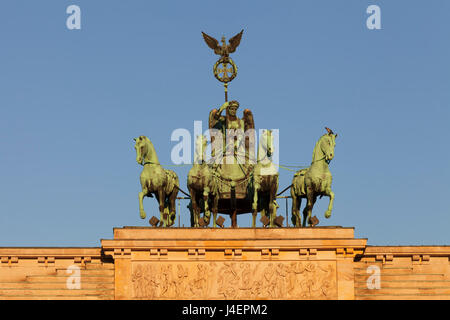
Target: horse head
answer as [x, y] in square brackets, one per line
[327, 144]
[200, 148]
[141, 148]
[266, 142]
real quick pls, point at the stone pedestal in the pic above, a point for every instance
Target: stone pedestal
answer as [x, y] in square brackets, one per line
[243, 263]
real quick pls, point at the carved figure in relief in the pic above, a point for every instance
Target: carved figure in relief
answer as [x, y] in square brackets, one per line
[280, 288]
[244, 280]
[199, 284]
[228, 280]
[154, 281]
[168, 281]
[257, 289]
[136, 278]
[269, 280]
[310, 283]
[246, 276]
[293, 270]
[211, 272]
[182, 275]
[327, 283]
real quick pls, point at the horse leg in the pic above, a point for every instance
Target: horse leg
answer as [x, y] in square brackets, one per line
[330, 194]
[272, 201]
[215, 208]
[195, 208]
[255, 204]
[299, 204]
[141, 203]
[161, 200]
[295, 215]
[308, 208]
[296, 202]
[234, 218]
[172, 208]
[207, 214]
[271, 209]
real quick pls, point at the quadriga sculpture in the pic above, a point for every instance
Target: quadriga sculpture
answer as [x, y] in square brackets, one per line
[156, 180]
[314, 181]
[202, 185]
[265, 180]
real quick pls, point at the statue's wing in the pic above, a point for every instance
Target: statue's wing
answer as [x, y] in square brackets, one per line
[212, 120]
[235, 41]
[249, 123]
[212, 43]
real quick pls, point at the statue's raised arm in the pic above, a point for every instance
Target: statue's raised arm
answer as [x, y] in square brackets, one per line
[216, 125]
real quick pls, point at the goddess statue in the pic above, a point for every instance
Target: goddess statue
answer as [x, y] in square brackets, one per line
[238, 136]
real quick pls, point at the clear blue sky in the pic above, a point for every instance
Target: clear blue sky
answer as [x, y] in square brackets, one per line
[72, 100]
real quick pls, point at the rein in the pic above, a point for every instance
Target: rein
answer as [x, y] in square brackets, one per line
[327, 161]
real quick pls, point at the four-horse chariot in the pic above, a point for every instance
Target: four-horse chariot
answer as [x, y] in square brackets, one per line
[233, 180]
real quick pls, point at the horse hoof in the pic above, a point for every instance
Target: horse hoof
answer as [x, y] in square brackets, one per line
[143, 215]
[327, 214]
[172, 220]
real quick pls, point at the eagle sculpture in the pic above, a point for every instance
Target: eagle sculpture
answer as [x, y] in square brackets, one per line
[224, 50]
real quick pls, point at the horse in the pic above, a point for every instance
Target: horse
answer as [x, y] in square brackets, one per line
[314, 181]
[201, 183]
[156, 180]
[265, 180]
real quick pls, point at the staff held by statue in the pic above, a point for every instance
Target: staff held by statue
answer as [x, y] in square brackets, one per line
[225, 64]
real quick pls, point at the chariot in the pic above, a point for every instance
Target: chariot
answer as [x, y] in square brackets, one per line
[233, 181]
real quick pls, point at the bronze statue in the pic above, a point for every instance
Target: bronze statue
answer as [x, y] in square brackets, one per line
[156, 180]
[232, 122]
[265, 180]
[241, 189]
[234, 181]
[225, 49]
[202, 185]
[314, 181]
[225, 64]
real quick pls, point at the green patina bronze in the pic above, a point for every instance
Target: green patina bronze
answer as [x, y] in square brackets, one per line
[155, 180]
[202, 186]
[265, 180]
[314, 181]
[233, 181]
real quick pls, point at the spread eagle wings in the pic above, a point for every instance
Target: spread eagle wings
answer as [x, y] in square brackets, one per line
[214, 43]
[234, 42]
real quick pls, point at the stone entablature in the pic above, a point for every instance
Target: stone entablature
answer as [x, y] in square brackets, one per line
[242, 263]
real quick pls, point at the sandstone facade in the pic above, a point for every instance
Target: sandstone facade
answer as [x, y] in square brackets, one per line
[243, 263]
